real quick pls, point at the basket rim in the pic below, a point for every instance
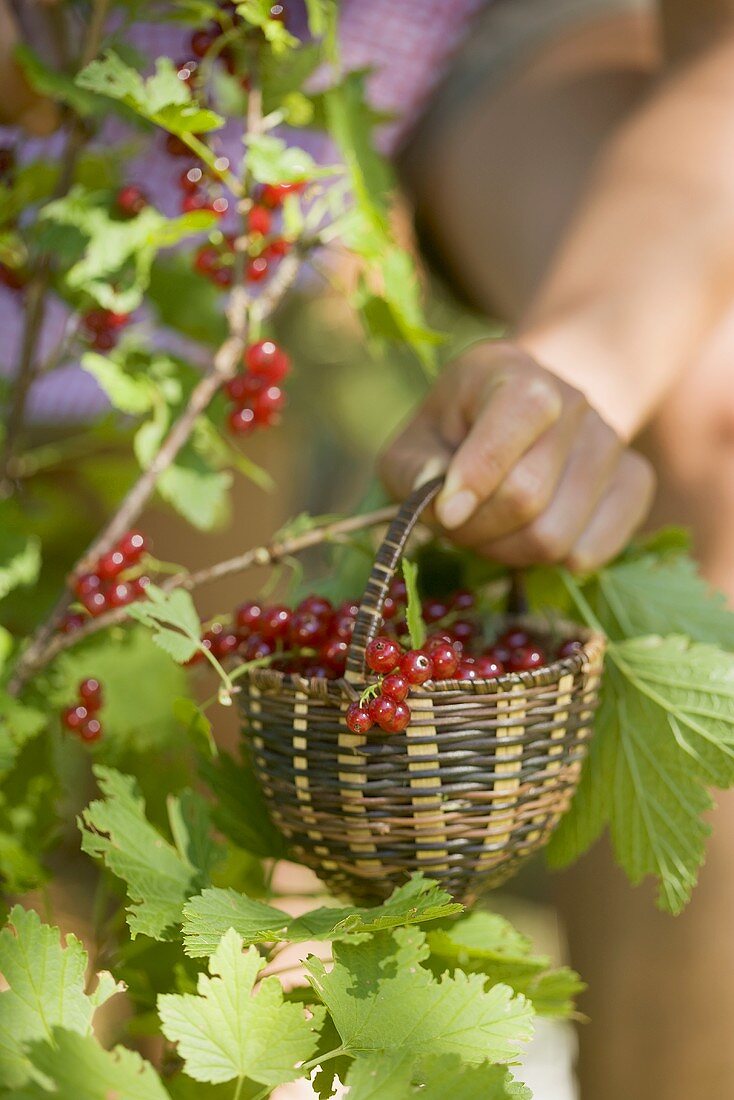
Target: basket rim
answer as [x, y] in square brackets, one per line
[594, 645]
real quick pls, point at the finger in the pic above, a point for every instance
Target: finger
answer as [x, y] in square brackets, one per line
[511, 412]
[530, 486]
[588, 473]
[419, 452]
[620, 512]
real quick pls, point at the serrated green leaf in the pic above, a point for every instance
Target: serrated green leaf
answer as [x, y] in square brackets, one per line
[413, 613]
[126, 393]
[45, 985]
[271, 160]
[239, 809]
[73, 1065]
[668, 596]
[54, 84]
[396, 1077]
[188, 119]
[189, 818]
[485, 943]
[206, 918]
[226, 1032]
[664, 732]
[158, 878]
[198, 493]
[20, 560]
[382, 999]
[174, 619]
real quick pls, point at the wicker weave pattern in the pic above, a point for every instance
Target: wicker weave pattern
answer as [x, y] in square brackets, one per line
[473, 786]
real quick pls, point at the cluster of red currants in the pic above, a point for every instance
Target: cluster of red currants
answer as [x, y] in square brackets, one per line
[103, 327]
[82, 718]
[130, 200]
[256, 392]
[115, 581]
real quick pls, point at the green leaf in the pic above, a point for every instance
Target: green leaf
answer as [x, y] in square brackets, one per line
[383, 1000]
[271, 160]
[20, 560]
[198, 493]
[54, 84]
[157, 876]
[395, 1077]
[485, 943]
[240, 811]
[653, 596]
[18, 725]
[414, 614]
[226, 1032]
[134, 395]
[174, 619]
[73, 1065]
[45, 985]
[664, 732]
[141, 719]
[207, 917]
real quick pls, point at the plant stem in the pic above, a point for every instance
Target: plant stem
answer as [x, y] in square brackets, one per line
[35, 311]
[581, 602]
[55, 643]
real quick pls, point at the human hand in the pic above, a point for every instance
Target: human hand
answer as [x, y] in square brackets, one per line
[533, 473]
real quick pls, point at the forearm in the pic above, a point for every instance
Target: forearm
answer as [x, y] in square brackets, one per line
[647, 267]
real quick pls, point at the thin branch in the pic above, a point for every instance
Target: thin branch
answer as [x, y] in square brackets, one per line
[257, 556]
[35, 311]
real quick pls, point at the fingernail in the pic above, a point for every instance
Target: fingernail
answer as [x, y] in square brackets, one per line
[455, 508]
[433, 467]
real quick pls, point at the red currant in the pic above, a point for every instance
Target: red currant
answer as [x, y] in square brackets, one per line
[416, 666]
[222, 276]
[333, 654]
[243, 388]
[241, 421]
[488, 668]
[382, 711]
[91, 730]
[132, 546]
[275, 622]
[433, 610]
[247, 617]
[90, 693]
[572, 647]
[277, 248]
[256, 648]
[500, 653]
[71, 622]
[445, 660]
[86, 583]
[396, 687]
[202, 41]
[95, 602]
[358, 718]
[186, 70]
[131, 200]
[259, 220]
[343, 626]
[307, 629]
[398, 721]
[514, 638]
[104, 340]
[139, 585]
[398, 590]
[206, 260]
[267, 405]
[467, 670]
[225, 643]
[257, 269]
[266, 358]
[463, 630]
[317, 605]
[190, 179]
[525, 658]
[383, 654]
[275, 194]
[462, 600]
[120, 594]
[111, 564]
[73, 717]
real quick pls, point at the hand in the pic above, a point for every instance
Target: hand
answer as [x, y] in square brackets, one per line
[533, 473]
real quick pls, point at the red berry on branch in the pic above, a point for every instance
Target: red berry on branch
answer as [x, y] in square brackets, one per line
[462, 600]
[343, 626]
[71, 622]
[202, 41]
[130, 200]
[382, 711]
[132, 546]
[398, 590]
[275, 194]
[95, 602]
[257, 269]
[307, 629]
[317, 605]
[463, 630]
[139, 585]
[500, 653]
[86, 583]
[90, 693]
[104, 340]
[175, 147]
[241, 421]
[268, 360]
[525, 658]
[226, 643]
[111, 564]
[259, 220]
[396, 686]
[222, 276]
[277, 12]
[277, 248]
[91, 730]
[73, 717]
[243, 388]
[206, 259]
[190, 179]
[247, 616]
[359, 719]
[383, 654]
[267, 404]
[416, 666]
[120, 594]
[186, 70]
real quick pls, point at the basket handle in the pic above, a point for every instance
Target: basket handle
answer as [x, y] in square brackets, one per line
[369, 618]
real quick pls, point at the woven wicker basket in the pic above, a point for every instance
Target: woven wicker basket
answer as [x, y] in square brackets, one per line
[475, 784]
